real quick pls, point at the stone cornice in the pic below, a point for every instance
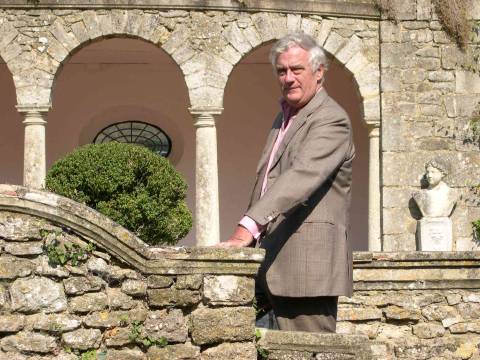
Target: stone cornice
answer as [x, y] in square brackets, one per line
[124, 245]
[416, 270]
[350, 8]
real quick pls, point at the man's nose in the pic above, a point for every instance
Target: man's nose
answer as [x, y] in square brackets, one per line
[289, 77]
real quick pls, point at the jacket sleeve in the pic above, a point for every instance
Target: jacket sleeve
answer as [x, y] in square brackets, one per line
[321, 153]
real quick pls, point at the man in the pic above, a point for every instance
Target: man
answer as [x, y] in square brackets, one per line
[299, 206]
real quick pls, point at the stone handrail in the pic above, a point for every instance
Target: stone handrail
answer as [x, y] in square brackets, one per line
[121, 243]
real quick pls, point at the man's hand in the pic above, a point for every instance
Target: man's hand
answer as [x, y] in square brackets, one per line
[240, 238]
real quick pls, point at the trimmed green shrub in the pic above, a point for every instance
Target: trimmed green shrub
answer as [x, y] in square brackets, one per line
[128, 183]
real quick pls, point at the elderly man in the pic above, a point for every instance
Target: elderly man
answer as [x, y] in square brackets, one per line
[299, 207]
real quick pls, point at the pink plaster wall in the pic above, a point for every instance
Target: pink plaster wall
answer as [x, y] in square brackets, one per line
[124, 79]
[11, 131]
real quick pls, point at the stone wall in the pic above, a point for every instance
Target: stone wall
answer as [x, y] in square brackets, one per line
[416, 305]
[429, 97]
[68, 289]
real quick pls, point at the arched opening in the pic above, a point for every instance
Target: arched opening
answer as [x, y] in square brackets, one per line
[11, 136]
[250, 103]
[120, 80]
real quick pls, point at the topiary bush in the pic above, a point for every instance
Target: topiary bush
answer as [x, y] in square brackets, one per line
[128, 183]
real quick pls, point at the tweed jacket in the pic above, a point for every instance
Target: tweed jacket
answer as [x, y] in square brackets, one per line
[306, 204]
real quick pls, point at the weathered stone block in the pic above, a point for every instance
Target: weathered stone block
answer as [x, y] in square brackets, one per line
[3, 298]
[252, 35]
[210, 326]
[263, 24]
[97, 266]
[358, 314]
[19, 227]
[467, 82]
[228, 289]
[170, 325]
[398, 55]
[428, 330]
[334, 43]
[438, 312]
[424, 9]
[67, 39]
[134, 287]
[88, 302]
[117, 337]
[125, 354]
[78, 285]
[472, 297]
[11, 268]
[398, 313]
[24, 248]
[29, 341]
[175, 352]
[190, 282]
[165, 297]
[237, 39]
[83, 339]
[441, 76]
[159, 281]
[43, 268]
[37, 294]
[388, 331]
[438, 348]
[117, 300]
[464, 327]
[92, 26]
[237, 351]
[11, 323]
[54, 322]
[468, 310]
[453, 299]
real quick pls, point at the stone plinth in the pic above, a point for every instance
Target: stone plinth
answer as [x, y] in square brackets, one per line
[435, 234]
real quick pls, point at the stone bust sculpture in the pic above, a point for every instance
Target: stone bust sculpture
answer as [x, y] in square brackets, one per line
[437, 199]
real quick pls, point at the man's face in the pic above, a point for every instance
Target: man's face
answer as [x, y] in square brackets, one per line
[297, 81]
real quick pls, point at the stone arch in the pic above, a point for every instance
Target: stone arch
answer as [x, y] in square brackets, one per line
[359, 59]
[354, 52]
[67, 39]
[35, 69]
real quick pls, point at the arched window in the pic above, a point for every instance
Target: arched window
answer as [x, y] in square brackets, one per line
[136, 132]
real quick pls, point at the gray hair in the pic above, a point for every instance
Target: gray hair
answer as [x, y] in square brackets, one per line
[440, 164]
[306, 42]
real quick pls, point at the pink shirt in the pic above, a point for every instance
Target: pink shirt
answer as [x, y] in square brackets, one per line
[288, 117]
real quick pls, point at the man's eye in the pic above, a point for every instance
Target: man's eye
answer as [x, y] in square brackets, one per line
[297, 71]
[281, 72]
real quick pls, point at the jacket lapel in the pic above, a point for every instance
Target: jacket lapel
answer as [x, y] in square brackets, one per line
[298, 122]
[272, 136]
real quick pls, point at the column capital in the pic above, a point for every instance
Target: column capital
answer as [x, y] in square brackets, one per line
[204, 116]
[32, 108]
[373, 128]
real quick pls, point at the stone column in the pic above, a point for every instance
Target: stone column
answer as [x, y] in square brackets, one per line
[34, 163]
[374, 231]
[207, 223]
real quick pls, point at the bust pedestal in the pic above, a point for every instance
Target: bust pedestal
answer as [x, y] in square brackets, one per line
[435, 234]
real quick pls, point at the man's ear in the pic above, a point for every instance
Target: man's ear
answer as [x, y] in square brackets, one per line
[319, 74]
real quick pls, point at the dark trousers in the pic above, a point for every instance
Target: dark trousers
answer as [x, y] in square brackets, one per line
[311, 314]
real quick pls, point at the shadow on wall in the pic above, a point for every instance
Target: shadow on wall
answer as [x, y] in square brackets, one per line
[11, 136]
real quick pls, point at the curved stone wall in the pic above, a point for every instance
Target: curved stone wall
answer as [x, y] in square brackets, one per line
[73, 284]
